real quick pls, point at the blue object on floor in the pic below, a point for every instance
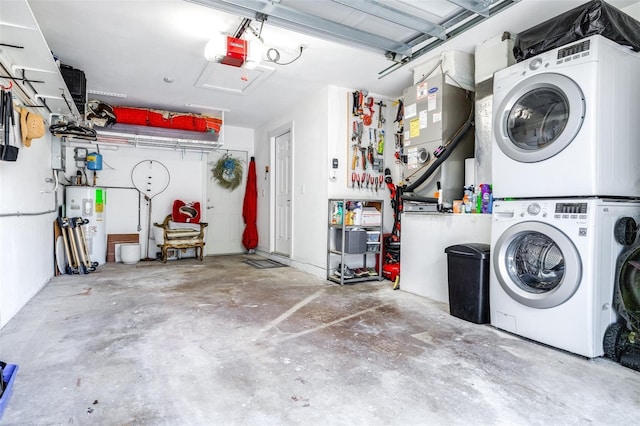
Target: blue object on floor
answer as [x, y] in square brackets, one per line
[8, 376]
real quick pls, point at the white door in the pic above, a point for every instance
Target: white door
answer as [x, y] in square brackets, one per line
[283, 194]
[224, 209]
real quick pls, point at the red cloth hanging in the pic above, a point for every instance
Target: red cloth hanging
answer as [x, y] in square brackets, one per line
[249, 209]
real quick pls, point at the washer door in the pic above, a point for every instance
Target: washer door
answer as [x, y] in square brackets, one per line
[537, 265]
[539, 117]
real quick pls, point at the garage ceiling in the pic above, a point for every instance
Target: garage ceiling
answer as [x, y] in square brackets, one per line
[149, 53]
[401, 30]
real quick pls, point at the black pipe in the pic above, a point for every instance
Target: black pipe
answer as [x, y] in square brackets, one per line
[449, 149]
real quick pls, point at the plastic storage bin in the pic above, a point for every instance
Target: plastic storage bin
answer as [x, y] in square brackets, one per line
[9, 372]
[468, 276]
[355, 241]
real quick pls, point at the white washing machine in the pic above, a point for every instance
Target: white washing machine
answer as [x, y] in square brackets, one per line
[567, 123]
[553, 269]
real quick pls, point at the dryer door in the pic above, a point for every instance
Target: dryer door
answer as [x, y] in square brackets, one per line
[539, 117]
[537, 264]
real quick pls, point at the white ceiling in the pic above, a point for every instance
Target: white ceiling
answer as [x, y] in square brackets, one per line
[131, 46]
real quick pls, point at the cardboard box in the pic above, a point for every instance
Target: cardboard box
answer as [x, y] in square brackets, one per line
[113, 239]
[370, 217]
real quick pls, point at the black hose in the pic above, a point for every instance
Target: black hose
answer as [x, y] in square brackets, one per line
[449, 149]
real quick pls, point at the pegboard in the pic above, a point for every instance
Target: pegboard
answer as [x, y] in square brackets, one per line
[366, 140]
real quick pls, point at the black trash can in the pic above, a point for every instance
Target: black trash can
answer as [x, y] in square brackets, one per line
[468, 275]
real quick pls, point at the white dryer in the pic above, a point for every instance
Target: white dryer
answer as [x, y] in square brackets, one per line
[567, 123]
[553, 269]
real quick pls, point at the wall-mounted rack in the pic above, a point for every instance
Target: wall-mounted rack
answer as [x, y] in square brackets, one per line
[152, 137]
[27, 64]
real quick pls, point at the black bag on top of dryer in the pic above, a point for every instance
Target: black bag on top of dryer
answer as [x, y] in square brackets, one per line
[593, 18]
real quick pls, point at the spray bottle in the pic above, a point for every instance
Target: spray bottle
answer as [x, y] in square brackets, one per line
[487, 198]
[357, 214]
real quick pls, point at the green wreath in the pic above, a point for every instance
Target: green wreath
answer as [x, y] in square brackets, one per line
[227, 171]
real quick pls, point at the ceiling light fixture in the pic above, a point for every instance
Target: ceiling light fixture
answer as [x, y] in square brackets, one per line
[212, 108]
[112, 94]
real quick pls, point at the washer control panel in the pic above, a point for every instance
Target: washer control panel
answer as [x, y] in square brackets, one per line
[571, 211]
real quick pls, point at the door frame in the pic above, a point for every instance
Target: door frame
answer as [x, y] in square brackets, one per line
[287, 127]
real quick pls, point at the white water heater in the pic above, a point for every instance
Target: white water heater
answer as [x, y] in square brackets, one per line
[89, 202]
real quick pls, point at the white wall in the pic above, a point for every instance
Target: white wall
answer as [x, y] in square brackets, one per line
[632, 10]
[189, 176]
[320, 133]
[27, 246]
[26, 242]
[122, 214]
[310, 174]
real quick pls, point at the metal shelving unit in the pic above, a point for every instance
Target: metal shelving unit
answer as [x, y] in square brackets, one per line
[341, 250]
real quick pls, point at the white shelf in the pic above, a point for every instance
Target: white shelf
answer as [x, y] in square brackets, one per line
[24, 54]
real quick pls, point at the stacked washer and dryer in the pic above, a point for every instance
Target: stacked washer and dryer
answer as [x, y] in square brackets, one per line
[566, 169]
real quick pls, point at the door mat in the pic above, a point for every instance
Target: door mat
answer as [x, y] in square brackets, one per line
[264, 263]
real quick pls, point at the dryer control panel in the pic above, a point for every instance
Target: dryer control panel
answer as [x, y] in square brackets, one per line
[574, 49]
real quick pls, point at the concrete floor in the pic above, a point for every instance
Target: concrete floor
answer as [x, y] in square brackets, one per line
[219, 342]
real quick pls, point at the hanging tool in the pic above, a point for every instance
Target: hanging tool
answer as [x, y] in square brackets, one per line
[367, 118]
[354, 178]
[381, 142]
[360, 128]
[354, 107]
[354, 160]
[399, 112]
[354, 137]
[369, 106]
[370, 149]
[361, 96]
[398, 137]
[381, 118]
